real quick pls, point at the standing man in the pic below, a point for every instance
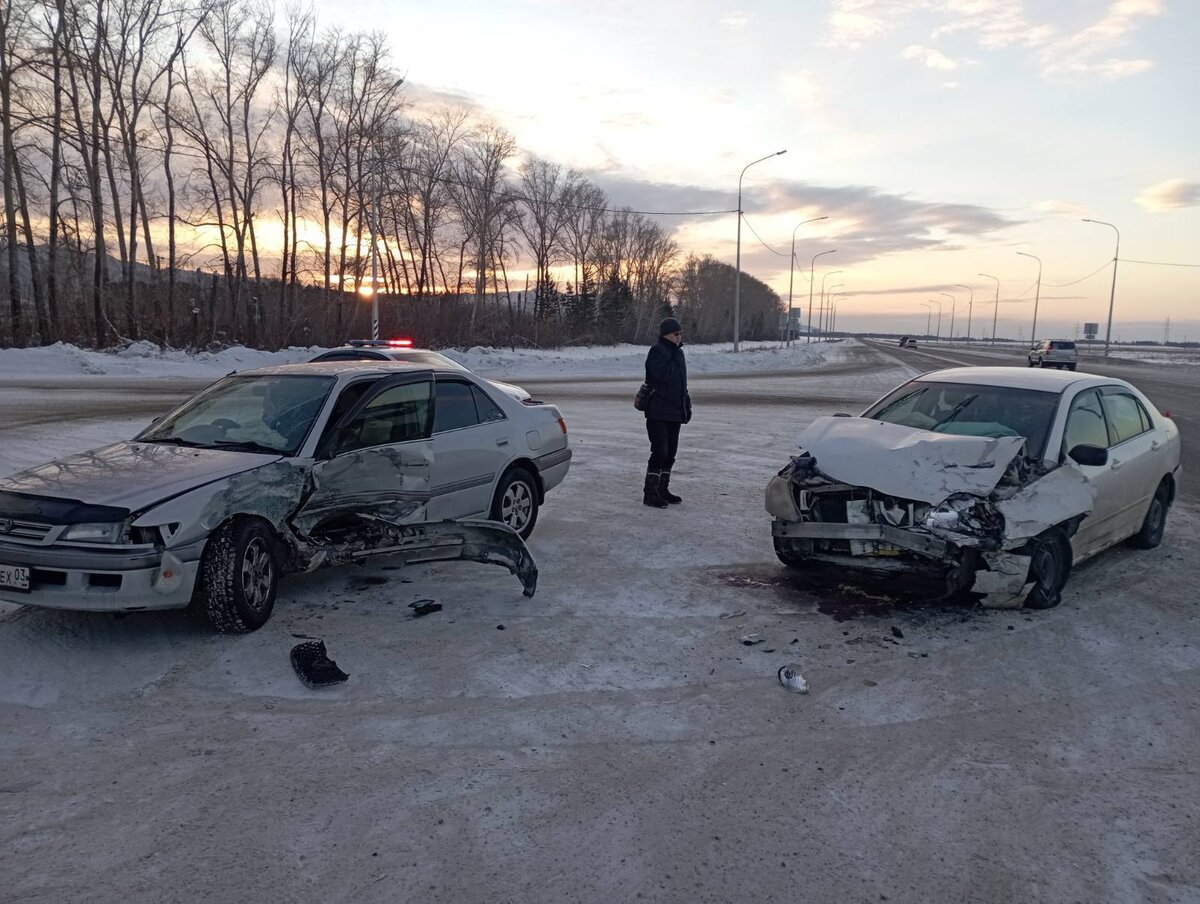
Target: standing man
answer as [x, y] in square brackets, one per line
[668, 407]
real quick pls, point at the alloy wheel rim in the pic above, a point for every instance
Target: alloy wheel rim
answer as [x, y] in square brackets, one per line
[516, 507]
[257, 572]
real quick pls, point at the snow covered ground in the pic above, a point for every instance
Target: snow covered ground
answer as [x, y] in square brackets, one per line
[613, 737]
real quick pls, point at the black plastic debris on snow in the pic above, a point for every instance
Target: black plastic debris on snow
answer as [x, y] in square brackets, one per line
[896, 632]
[424, 607]
[313, 665]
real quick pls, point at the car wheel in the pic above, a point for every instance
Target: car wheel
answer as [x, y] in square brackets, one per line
[1155, 522]
[1070, 367]
[516, 502]
[785, 550]
[1049, 568]
[239, 577]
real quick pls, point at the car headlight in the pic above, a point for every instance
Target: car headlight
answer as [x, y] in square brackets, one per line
[93, 533]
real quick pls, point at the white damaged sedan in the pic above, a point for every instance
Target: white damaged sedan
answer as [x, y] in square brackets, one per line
[284, 469]
[992, 479]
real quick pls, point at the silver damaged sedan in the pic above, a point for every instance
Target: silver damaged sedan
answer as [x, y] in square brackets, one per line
[278, 470]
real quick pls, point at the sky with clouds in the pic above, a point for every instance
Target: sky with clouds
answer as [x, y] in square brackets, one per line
[939, 137]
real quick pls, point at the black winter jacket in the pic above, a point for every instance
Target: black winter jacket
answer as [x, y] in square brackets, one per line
[666, 373]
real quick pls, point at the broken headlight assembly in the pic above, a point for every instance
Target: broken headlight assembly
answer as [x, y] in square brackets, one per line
[93, 533]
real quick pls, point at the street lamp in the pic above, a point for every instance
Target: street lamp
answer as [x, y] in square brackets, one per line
[928, 314]
[792, 274]
[996, 308]
[938, 336]
[970, 308]
[1037, 296]
[953, 309]
[811, 274]
[834, 302]
[821, 312]
[1113, 294]
[737, 279]
[827, 305]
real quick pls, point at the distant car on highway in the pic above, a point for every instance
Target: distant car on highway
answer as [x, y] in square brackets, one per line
[1054, 353]
[989, 479]
[907, 342]
[282, 469]
[402, 350]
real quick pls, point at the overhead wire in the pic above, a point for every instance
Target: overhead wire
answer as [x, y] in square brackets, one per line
[760, 241]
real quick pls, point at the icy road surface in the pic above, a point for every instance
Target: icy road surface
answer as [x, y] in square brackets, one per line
[616, 738]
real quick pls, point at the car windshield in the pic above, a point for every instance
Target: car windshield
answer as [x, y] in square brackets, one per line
[269, 413]
[970, 410]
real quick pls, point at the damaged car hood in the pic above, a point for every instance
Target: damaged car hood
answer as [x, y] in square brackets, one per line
[907, 462]
[131, 475]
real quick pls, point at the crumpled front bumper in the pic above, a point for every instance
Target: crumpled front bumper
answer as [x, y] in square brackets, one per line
[116, 579]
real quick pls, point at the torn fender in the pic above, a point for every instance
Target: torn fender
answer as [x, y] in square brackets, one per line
[1058, 496]
[1005, 582]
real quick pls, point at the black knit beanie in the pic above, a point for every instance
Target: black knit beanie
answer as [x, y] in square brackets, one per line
[670, 325]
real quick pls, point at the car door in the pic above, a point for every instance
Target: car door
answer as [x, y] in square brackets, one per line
[1136, 454]
[376, 461]
[471, 445]
[1087, 425]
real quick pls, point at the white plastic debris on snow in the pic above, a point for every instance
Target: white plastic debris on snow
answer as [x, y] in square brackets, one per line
[907, 462]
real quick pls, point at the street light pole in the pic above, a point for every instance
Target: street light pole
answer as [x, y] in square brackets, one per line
[953, 307]
[792, 275]
[938, 336]
[827, 305]
[996, 308]
[1112, 297]
[928, 315]
[1037, 296]
[970, 309]
[737, 279]
[834, 301]
[821, 312]
[811, 274]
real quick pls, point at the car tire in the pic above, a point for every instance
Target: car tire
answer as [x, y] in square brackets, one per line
[1049, 568]
[1030, 362]
[1070, 367]
[787, 554]
[516, 501]
[239, 577]
[1154, 525]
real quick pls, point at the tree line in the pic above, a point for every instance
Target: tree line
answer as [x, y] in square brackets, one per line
[201, 171]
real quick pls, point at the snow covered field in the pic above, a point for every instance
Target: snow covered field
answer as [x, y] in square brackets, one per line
[613, 737]
[144, 359]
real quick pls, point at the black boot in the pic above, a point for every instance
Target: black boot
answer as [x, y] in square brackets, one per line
[650, 491]
[664, 489]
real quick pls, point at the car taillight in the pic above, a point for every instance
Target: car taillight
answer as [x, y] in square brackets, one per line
[562, 425]
[1166, 414]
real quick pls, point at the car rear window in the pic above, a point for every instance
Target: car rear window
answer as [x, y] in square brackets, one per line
[970, 410]
[1065, 346]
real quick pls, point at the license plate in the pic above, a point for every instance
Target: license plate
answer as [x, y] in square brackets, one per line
[14, 577]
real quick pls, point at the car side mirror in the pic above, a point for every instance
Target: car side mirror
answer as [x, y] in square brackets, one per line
[1092, 456]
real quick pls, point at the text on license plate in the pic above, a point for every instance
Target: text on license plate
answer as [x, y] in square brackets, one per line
[14, 577]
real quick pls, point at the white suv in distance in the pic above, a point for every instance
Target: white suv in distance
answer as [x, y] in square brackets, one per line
[1054, 353]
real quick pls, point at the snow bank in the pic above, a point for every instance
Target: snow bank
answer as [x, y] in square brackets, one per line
[149, 360]
[138, 359]
[628, 360]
